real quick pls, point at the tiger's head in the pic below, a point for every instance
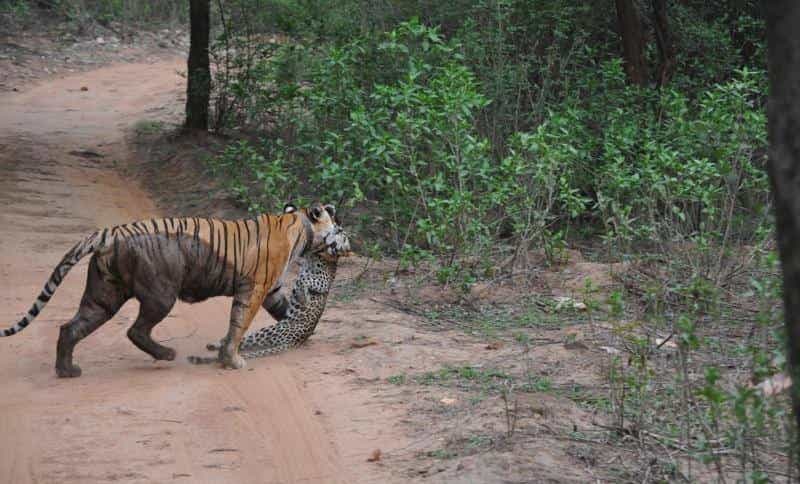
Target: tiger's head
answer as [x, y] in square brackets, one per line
[325, 233]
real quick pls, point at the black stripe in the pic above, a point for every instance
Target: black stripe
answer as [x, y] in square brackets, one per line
[166, 230]
[44, 297]
[247, 229]
[239, 304]
[266, 250]
[24, 323]
[224, 260]
[196, 238]
[155, 225]
[158, 238]
[145, 241]
[211, 248]
[141, 230]
[236, 238]
[125, 228]
[273, 291]
[34, 311]
[115, 261]
[218, 239]
[239, 236]
[258, 247]
[56, 277]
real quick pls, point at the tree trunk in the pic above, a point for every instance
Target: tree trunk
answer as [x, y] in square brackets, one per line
[630, 31]
[666, 48]
[783, 112]
[198, 73]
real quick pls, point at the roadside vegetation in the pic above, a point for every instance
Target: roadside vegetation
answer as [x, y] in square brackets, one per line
[463, 138]
[122, 17]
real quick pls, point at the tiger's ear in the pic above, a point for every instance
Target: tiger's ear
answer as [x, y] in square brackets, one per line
[289, 208]
[331, 210]
[315, 212]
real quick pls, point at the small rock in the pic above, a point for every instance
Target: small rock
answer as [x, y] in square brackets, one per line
[564, 302]
[84, 88]
[448, 400]
[665, 342]
[494, 345]
[375, 456]
[100, 40]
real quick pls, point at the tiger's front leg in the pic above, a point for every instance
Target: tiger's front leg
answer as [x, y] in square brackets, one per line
[245, 306]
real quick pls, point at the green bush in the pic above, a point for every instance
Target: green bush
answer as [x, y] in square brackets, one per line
[397, 119]
[393, 121]
[650, 164]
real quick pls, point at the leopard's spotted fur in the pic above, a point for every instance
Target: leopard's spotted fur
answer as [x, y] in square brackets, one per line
[306, 304]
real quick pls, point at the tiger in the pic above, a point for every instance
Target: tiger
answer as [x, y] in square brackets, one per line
[159, 261]
[303, 310]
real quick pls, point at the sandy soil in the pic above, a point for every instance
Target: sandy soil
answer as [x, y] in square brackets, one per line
[292, 418]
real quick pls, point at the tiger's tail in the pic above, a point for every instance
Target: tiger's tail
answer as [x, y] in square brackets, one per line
[78, 252]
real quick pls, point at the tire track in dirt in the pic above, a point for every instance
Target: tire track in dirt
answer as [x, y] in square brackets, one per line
[128, 419]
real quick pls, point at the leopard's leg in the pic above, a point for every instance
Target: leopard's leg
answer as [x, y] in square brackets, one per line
[244, 308]
[281, 335]
[100, 302]
[151, 312]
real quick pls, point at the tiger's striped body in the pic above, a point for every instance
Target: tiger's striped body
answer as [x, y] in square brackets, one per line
[161, 260]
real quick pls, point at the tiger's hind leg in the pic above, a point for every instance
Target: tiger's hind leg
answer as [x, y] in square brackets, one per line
[151, 312]
[100, 302]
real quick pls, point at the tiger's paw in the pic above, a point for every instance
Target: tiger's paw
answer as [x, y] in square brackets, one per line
[72, 371]
[234, 363]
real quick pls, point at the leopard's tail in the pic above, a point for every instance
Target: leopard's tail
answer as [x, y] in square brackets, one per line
[78, 252]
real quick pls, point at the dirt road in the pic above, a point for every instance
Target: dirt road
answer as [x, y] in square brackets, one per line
[129, 419]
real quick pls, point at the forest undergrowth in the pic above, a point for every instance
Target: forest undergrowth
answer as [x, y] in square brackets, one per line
[461, 144]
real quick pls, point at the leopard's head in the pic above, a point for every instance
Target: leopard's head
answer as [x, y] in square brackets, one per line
[327, 235]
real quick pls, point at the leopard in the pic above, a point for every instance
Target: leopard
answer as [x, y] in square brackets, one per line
[302, 310]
